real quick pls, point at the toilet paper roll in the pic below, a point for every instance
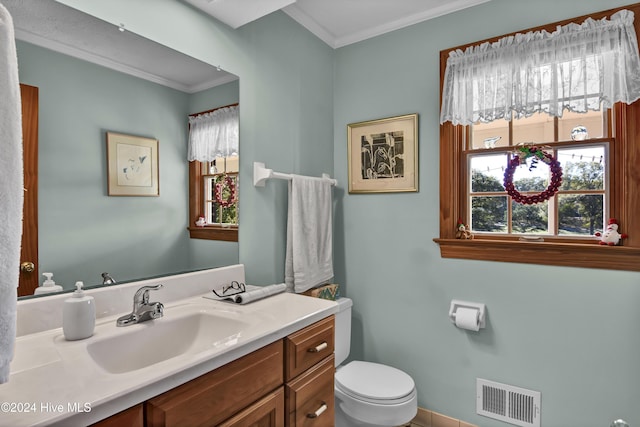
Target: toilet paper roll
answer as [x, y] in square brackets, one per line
[468, 318]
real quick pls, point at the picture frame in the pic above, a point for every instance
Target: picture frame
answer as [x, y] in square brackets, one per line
[132, 165]
[383, 155]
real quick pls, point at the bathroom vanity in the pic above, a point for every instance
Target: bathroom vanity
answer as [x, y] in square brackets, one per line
[204, 362]
[252, 390]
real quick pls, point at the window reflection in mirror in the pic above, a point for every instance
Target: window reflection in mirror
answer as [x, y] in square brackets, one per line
[221, 187]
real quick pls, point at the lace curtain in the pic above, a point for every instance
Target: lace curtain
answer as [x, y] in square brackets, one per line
[578, 67]
[214, 134]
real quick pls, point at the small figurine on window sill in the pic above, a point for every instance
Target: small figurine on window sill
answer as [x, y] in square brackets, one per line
[462, 231]
[611, 236]
[201, 222]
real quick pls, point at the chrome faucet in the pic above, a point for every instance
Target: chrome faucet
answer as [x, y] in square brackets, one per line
[143, 310]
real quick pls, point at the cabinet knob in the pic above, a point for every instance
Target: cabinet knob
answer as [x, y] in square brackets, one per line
[318, 348]
[319, 412]
[27, 267]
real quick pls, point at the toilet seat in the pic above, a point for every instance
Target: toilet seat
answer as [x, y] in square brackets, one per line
[375, 383]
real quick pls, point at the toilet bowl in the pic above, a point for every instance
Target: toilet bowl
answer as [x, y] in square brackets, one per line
[368, 394]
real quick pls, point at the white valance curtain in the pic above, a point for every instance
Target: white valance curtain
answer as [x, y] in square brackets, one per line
[577, 67]
[214, 134]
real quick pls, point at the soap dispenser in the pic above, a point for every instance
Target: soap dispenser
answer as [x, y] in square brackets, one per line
[78, 315]
[48, 286]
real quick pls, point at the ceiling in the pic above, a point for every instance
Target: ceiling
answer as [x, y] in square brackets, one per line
[338, 23]
[66, 30]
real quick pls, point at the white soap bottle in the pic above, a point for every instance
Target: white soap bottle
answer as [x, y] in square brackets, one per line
[78, 315]
[48, 286]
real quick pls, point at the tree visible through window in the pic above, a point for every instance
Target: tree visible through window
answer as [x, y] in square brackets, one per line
[221, 191]
[580, 207]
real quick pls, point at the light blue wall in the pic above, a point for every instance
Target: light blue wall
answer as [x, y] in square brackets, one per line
[82, 231]
[569, 333]
[286, 98]
[216, 97]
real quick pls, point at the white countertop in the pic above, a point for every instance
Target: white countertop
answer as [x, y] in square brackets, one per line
[57, 382]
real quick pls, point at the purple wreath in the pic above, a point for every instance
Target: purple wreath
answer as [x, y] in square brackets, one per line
[227, 182]
[538, 155]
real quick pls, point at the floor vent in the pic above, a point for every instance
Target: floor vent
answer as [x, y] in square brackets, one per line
[507, 403]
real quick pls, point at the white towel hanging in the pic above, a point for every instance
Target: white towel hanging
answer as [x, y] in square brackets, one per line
[11, 190]
[309, 255]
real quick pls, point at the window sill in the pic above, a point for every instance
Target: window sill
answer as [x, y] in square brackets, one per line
[547, 253]
[214, 233]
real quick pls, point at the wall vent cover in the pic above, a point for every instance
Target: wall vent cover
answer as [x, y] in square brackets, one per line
[507, 403]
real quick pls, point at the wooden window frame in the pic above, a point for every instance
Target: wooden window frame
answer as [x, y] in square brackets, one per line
[196, 205]
[624, 193]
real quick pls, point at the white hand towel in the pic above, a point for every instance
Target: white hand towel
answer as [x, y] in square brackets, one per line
[309, 256]
[11, 189]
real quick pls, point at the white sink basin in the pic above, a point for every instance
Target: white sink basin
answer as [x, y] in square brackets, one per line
[134, 347]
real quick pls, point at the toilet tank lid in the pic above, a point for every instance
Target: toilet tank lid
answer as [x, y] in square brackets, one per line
[344, 303]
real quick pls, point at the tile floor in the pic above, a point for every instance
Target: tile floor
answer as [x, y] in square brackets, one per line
[426, 418]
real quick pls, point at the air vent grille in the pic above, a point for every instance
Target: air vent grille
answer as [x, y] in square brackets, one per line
[507, 403]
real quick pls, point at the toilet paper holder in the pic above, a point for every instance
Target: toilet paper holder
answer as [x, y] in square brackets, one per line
[455, 304]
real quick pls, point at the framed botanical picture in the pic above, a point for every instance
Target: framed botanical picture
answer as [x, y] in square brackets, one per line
[132, 165]
[383, 155]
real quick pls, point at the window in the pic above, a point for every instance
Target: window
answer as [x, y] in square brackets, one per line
[213, 187]
[581, 205]
[221, 221]
[221, 191]
[599, 182]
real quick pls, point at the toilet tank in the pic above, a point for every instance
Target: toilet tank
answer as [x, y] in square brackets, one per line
[343, 330]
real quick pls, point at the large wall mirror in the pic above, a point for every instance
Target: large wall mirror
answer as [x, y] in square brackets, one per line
[93, 78]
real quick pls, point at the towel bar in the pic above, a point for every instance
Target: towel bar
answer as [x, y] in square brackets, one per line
[261, 174]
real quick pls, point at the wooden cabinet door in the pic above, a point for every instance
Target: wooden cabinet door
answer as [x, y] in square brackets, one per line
[132, 417]
[267, 412]
[309, 398]
[214, 397]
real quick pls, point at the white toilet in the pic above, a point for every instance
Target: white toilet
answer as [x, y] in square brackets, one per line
[368, 394]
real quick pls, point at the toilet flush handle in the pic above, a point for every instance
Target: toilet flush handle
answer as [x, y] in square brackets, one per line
[319, 412]
[318, 348]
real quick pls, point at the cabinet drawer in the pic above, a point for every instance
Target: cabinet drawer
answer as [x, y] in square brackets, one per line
[309, 398]
[267, 412]
[216, 396]
[308, 346]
